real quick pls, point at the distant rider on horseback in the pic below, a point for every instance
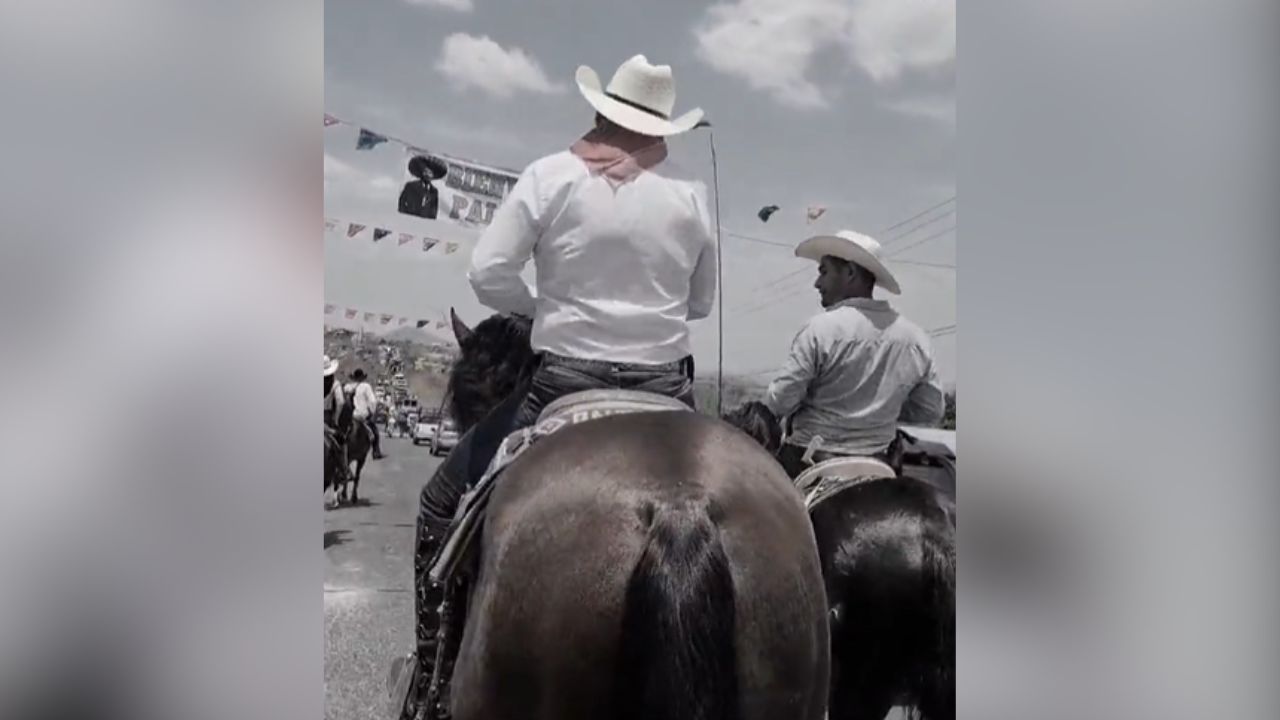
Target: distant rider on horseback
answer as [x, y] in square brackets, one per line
[857, 369]
[625, 259]
[333, 397]
[334, 404]
[366, 405]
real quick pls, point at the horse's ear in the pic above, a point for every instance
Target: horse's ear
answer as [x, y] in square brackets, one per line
[461, 332]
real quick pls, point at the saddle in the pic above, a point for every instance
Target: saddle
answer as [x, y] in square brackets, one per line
[573, 409]
[930, 463]
[833, 476]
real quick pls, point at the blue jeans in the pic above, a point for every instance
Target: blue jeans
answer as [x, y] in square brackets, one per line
[555, 378]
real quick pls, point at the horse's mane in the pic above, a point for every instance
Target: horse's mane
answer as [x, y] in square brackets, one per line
[755, 419]
[494, 359]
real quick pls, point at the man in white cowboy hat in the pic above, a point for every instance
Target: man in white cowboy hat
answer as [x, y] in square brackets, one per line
[333, 397]
[625, 260]
[857, 369]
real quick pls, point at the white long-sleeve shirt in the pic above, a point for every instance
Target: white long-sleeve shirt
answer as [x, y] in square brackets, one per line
[364, 401]
[853, 374]
[620, 272]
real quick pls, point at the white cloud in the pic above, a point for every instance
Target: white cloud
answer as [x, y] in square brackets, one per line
[892, 36]
[938, 108]
[459, 5]
[337, 171]
[468, 61]
[771, 44]
[343, 181]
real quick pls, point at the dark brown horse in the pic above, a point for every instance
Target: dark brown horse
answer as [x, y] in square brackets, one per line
[359, 441]
[887, 548]
[333, 455]
[655, 565]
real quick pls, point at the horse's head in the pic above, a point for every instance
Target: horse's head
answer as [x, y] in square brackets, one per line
[494, 358]
[755, 419]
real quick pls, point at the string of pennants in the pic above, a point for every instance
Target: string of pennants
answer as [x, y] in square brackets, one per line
[354, 230]
[385, 320]
[368, 140]
[359, 231]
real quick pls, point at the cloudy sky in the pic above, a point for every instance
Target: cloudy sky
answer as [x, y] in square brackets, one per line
[849, 104]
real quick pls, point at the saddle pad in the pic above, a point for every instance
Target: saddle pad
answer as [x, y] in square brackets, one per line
[573, 409]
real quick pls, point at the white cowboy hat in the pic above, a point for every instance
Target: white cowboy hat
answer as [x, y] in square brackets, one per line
[640, 98]
[330, 366]
[854, 247]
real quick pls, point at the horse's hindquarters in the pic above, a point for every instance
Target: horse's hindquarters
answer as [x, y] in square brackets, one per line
[614, 530]
[783, 645]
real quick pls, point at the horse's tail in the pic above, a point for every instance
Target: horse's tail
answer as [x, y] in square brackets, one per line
[677, 651]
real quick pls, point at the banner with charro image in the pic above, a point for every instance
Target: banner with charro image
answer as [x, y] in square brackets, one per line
[442, 187]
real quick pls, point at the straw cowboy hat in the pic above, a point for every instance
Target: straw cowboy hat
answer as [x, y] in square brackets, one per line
[854, 247]
[330, 366]
[640, 98]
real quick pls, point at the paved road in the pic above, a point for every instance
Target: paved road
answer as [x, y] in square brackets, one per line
[368, 585]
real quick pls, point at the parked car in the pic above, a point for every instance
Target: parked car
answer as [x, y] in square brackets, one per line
[424, 431]
[446, 436]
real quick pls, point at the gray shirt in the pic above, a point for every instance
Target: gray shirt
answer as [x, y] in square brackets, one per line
[855, 372]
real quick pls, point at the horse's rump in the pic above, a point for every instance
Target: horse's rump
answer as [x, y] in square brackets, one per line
[672, 526]
[887, 548]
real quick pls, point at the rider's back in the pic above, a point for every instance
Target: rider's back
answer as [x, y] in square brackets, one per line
[872, 358]
[622, 265]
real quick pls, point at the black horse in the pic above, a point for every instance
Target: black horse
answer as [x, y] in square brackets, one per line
[887, 548]
[645, 565]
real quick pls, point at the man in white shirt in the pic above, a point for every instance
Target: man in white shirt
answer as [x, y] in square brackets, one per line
[364, 404]
[859, 368]
[333, 397]
[625, 259]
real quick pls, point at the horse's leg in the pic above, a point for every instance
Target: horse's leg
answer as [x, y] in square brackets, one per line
[353, 489]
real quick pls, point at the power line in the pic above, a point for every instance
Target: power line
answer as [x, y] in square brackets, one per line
[938, 234]
[919, 214]
[894, 226]
[914, 228]
[947, 266]
[762, 241]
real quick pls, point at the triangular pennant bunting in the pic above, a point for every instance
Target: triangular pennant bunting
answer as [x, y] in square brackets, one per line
[330, 224]
[354, 229]
[405, 238]
[428, 243]
[368, 317]
[369, 140]
[379, 233]
[386, 319]
[450, 248]
[351, 314]
[330, 120]
[423, 323]
[328, 309]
